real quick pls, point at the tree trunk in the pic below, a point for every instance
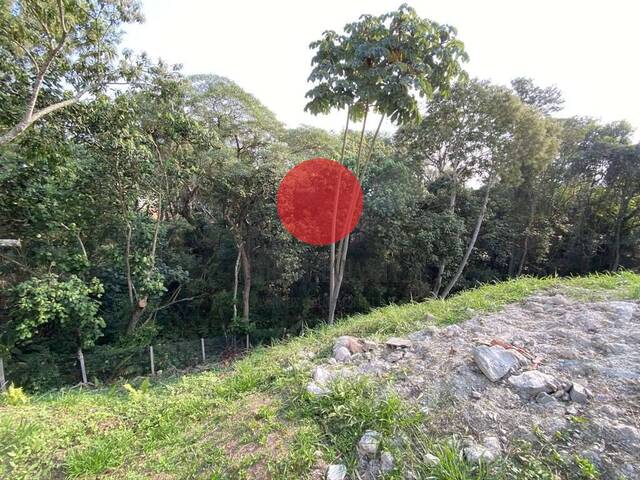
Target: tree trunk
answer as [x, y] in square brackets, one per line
[527, 235]
[246, 283]
[437, 285]
[83, 370]
[471, 245]
[236, 273]
[617, 239]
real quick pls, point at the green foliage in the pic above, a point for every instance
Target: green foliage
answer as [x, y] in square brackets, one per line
[65, 303]
[139, 393]
[383, 61]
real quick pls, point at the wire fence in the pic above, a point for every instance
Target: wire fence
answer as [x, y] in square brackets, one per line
[44, 370]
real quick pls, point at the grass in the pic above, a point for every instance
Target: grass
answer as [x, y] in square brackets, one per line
[254, 419]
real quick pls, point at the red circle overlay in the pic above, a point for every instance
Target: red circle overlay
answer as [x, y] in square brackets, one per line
[313, 194]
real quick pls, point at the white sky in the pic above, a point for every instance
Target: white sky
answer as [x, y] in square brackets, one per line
[589, 49]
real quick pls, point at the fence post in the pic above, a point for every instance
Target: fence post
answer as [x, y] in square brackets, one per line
[248, 345]
[204, 356]
[82, 367]
[3, 382]
[153, 366]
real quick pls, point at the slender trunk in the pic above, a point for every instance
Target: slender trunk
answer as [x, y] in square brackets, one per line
[83, 370]
[471, 245]
[338, 260]
[437, 284]
[527, 235]
[246, 283]
[127, 262]
[236, 274]
[140, 306]
[332, 248]
[617, 238]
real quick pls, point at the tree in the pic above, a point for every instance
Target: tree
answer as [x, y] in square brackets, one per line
[240, 180]
[448, 143]
[69, 304]
[546, 100]
[381, 64]
[623, 180]
[54, 52]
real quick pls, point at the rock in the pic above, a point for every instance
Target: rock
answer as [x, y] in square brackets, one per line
[475, 395]
[495, 362]
[396, 342]
[369, 345]
[336, 472]
[543, 398]
[487, 452]
[579, 393]
[322, 376]
[430, 459]
[395, 356]
[353, 344]
[368, 444]
[386, 462]
[532, 382]
[452, 331]
[315, 389]
[341, 354]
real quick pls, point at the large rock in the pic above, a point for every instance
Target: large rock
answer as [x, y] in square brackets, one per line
[495, 362]
[341, 354]
[396, 342]
[533, 382]
[336, 472]
[353, 344]
[368, 444]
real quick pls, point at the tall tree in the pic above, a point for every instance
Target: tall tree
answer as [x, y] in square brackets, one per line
[240, 180]
[381, 64]
[53, 52]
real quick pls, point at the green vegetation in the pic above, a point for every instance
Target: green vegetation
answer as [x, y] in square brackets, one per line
[145, 200]
[254, 419]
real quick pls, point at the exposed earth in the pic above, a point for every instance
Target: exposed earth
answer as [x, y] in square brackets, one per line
[551, 367]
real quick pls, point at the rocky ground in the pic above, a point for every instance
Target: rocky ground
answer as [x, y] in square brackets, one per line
[534, 370]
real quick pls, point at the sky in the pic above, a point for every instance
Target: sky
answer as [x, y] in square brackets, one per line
[589, 49]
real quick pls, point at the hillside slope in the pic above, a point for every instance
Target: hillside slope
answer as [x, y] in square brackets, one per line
[258, 419]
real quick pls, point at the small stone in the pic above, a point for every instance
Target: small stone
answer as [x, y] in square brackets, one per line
[543, 398]
[386, 461]
[368, 444]
[395, 356]
[495, 362]
[532, 382]
[452, 331]
[430, 459]
[487, 452]
[396, 342]
[579, 393]
[475, 395]
[315, 389]
[322, 376]
[571, 410]
[336, 472]
[342, 354]
[477, 453]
